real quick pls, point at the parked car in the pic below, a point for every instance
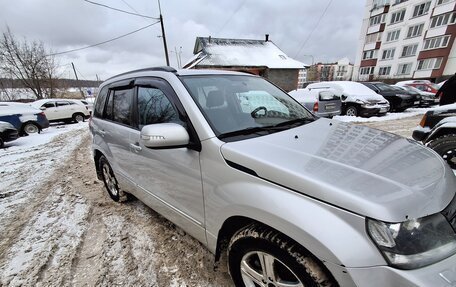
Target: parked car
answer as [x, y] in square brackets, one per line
[88, 104]
[399, 99]
[7, 133]
[322, 103]
[427, 98]
[286, 198]
[27, 120]
[66, 110]
[423, 85]
[437, 130]
[357, 99]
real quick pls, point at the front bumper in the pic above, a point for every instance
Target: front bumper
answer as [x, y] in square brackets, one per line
[440, 274]
[367, 110]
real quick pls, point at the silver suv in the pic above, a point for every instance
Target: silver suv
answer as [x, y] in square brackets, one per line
[289, 199]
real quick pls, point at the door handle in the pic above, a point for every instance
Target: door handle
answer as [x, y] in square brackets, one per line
[135, 147]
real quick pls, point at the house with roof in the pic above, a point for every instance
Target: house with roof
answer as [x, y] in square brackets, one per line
[259, 57]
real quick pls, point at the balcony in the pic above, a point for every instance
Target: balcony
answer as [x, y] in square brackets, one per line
[444, 8]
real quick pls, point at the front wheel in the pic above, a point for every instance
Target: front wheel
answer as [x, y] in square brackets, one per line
[445, 146]
[351, 111]
[259, 256]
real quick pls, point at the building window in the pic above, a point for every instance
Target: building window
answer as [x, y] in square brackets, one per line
[442, 20]
[366, 71]
[388, 54]
[428, 64]
[380, 3]
[404, 69]
[415, 31]
[371, 54]
[437, 42]
[409, 50]
[372, 38]
[421, 9]
[384, 71]
[397, 17]
[399, 1]
[393, 35]
[440, 2]
[377, 20]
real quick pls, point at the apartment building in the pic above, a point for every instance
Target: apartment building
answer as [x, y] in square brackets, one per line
[407, 39]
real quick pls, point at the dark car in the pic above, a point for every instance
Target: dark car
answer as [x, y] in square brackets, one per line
[399, 100]
[437, 130]
[427, 98]
[25, 119]
[7, 133]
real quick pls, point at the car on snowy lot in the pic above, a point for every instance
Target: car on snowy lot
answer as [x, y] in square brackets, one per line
[7, 133]
[437, 130]
[357, 99]
[286, 198]
[27, 120]
[322, 103]
[423, 85]
[398, 99]
[427, 98]
[66, 110]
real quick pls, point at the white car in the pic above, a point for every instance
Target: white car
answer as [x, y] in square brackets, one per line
[62, 109]
[324, 103]
[357, 99]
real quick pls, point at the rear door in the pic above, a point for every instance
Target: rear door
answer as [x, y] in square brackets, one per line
[51, 111]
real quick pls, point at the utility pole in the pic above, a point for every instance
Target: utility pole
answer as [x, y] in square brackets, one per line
[163, 35]
[77, 79]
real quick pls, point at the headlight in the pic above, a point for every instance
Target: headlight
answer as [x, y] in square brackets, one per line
[414, 243]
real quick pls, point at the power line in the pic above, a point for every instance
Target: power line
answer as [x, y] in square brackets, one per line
[119, 10]
[229, 19]
[104, 42]
[314, 28]
[129, 6]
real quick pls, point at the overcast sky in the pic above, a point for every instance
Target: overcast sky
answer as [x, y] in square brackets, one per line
[70, 24]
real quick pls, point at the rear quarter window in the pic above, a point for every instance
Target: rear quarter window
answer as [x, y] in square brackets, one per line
[100, 103]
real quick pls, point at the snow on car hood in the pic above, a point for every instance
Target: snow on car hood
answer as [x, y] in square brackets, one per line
[367, 171]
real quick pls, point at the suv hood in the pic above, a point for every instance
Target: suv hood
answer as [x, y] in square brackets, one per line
[363, 170]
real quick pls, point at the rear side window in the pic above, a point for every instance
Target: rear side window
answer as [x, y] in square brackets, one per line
[122, 103]
[62, 103]
[100, 103]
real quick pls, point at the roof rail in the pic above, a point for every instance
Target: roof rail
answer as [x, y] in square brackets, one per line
[159, 69]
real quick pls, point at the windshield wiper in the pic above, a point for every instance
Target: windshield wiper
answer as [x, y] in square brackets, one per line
[294, 123]
[246, 131]
[268, 129]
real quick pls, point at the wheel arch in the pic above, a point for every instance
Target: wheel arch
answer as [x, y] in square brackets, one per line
[97, 154]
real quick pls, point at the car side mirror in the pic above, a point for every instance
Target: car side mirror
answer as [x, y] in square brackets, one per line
[166, 135]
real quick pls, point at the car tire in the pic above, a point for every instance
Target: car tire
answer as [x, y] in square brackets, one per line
[2, 143]
[351, 111]
[286, 261]
[445, 146]
[30, 128]
[78, 118]
[110, 181]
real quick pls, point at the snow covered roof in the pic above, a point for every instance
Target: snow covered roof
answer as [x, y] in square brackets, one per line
[239, 52]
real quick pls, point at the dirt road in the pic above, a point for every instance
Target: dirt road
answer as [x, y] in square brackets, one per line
[65, 231]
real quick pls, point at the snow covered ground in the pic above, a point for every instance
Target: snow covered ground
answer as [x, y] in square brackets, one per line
[411, 112]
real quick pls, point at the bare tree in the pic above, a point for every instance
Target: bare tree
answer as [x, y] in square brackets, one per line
[30, 63]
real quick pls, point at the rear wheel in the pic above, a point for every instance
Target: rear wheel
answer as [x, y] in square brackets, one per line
[110, 181]
[30, 128]
[78, 118]
[351, 111]
[259, 256]
[445, 146]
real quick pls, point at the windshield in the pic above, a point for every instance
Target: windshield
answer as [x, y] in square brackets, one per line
[244, 105]
[384, 87]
